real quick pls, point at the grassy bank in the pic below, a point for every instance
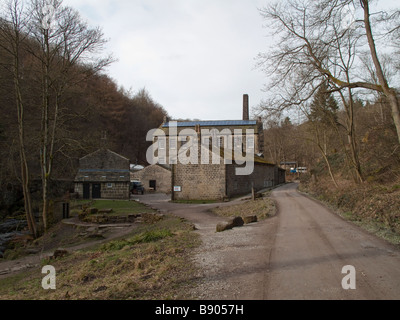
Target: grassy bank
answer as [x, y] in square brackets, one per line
[154, 262]
[374, 207]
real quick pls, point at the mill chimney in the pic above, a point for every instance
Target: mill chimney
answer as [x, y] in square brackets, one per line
[246, 107]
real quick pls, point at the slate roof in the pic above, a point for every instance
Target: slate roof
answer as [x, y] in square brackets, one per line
[103, 166]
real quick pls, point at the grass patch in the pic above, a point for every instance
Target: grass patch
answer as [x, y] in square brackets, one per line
[153, 263]
[119, 207]
[262, 208]
[145, 237]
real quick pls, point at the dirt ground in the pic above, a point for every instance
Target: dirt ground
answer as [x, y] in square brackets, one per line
[297, 254]
[67, 231]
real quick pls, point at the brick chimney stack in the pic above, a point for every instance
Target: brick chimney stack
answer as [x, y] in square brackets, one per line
[246, 107]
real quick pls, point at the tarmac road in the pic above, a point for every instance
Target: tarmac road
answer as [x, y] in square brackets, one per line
[297, 254]
[311, 247]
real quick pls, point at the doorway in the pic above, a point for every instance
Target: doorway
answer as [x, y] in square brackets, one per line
[96, 191]
[86, 191]
[153, 185]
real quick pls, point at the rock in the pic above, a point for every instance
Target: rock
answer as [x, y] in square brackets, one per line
[151, 218]
[96, 236]
[82, 215]
[258, 195]
[106, 211]
[223, 226]
[32, 251]
[230, 224]
[23, 238]
[132, 218]
[99, 289]
[92, 210]
[250, 219]
[59, 253]
[236, 221]
[5, 271]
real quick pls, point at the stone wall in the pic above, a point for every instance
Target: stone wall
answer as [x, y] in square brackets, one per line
[116, 190]
[199, 182]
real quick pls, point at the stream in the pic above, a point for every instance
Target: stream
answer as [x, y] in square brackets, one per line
[8, 230]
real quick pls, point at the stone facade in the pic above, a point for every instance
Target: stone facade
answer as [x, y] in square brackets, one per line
[103, 175]
[219, 133]
[199, 181]
[219, 181]
[155, 178]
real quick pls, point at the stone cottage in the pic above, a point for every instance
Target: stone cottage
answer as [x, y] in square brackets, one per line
[103, 174]
[155, 178]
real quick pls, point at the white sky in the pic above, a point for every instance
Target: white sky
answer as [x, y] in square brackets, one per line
[195, 57]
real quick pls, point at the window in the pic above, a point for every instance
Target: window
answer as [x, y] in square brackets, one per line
[161, 143]
[109, 185]
[250, 143]
[173, 143]
[220, 142]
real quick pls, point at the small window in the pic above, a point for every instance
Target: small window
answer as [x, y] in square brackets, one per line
[109, 185]
[250, 143]
[173, 143]
[161, 143]
[238, 142]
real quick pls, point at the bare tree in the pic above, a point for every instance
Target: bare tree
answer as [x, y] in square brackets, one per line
[61, 45]
[13, 33]
[308, 54]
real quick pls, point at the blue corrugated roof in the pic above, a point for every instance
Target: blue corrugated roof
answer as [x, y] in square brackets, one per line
[104, 170]
[213, 123]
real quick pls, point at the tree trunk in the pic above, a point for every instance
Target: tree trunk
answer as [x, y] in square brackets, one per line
[24, 164]
[45, 130]
[389, 92]
[395, 105]
[324, 155]
[329, 166]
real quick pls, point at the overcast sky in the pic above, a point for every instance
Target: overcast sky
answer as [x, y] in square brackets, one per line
[195, 57]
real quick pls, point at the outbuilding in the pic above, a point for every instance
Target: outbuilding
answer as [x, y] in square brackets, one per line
[155, 178]
[103, 174]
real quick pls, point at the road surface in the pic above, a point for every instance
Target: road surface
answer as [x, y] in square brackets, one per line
[311, 247]
[297, 254]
